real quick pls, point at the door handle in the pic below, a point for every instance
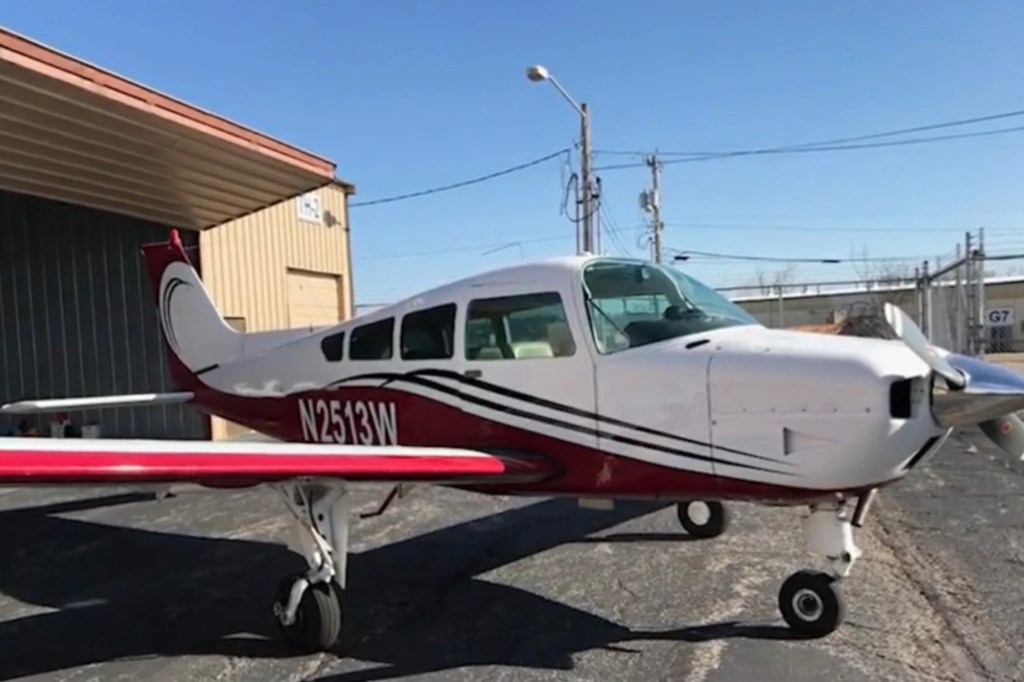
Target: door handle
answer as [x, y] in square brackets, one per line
[474, 373]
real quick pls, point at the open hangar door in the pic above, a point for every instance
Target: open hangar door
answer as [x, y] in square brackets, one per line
[79, 316]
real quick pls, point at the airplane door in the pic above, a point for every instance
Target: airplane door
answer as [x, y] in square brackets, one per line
[527, 374]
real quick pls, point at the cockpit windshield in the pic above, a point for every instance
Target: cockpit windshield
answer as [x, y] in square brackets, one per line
[634, 303]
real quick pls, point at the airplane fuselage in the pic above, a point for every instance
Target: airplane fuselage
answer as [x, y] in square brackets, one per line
[732, 412]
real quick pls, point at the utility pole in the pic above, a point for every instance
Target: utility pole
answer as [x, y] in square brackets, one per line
[971, 294]
[650, 201]
[979, 297]
[587, 184]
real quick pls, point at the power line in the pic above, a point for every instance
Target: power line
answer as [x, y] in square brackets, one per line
[841, 140]
[711, 257]
[803, 150]
[820, 230]
[688, 253]
[464, 183]
[458, 249]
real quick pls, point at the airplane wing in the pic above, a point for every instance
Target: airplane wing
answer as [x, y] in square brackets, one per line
[95, 402]
[41, 461]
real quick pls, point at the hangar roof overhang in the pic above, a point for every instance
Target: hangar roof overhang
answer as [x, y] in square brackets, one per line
[72, 132]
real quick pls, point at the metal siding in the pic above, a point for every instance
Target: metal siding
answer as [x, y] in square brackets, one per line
[314, 299]
[246, 261]
[79, 316]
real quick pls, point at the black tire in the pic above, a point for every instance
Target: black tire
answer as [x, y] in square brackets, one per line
[812, 603]
[716, 523]
[320, 619]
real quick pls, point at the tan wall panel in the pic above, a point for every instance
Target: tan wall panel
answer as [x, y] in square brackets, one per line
[314, 299]
[245, 263]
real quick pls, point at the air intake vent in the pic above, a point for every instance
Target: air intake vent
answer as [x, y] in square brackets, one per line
[899, 398]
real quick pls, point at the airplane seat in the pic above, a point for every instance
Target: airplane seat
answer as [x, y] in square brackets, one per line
[561, 339]
[533, 349]
[490, 353]
[642, 332]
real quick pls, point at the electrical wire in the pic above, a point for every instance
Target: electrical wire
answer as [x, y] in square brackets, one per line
[711, 156]
[841, 140]
[821, 230]
[464, 183]
[468, 247]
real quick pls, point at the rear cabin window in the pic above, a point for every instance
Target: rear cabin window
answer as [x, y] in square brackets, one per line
[333, 347]
[518, 328]
[429, 334]
[373, 341]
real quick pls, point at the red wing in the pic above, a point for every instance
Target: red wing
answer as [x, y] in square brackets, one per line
[56, 460]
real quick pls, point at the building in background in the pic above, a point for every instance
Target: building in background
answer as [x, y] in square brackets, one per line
[1000, 330]
[92, 166]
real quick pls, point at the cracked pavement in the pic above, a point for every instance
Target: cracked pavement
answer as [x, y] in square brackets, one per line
[456, 586]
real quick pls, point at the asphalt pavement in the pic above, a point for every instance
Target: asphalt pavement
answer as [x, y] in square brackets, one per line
[103, 584]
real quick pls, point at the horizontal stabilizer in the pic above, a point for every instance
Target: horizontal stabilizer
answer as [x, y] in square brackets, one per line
[29, 461]
[95, 402]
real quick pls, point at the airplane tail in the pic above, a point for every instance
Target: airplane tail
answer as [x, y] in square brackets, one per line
[197, 337]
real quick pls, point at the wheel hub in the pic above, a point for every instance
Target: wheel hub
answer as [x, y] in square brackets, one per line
[808, 605]
[699, 513]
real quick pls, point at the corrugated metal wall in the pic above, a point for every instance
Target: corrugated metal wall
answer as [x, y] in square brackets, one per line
[246, 262]
[78, 317]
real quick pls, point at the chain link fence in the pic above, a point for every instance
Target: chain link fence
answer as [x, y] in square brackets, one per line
[961, 306]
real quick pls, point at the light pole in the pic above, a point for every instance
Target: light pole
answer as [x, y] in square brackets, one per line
[584, 241]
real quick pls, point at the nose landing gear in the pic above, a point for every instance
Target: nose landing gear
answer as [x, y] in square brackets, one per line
[811, 601]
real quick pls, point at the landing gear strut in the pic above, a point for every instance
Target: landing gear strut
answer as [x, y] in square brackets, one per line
[703, 520]
[309, 606]
[811, 601]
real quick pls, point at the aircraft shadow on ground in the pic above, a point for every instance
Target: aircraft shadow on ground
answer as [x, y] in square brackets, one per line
[415, 606]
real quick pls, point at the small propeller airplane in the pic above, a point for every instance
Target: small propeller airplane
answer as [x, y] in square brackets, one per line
[591, 377]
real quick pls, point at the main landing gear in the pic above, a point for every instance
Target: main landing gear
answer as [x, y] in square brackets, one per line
[811, 601]
[704, 520]
[310, 606]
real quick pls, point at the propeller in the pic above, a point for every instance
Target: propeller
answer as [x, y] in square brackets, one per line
[968, 391]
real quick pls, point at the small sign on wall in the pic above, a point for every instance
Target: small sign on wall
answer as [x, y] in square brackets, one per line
[309, 208]
[1001, 317]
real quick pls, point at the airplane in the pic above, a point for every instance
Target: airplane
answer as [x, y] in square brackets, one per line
[588, 376]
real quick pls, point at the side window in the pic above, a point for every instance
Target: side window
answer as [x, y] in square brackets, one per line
[333, 347]
[429, 334]
[372, 341]
[518, 328]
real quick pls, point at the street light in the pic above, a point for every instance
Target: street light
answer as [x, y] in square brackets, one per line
[536, 74]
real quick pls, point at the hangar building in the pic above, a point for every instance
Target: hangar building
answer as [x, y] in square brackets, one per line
[92, 166]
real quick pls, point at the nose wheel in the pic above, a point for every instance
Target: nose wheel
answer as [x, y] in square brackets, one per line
[812, 603]
[704, 520]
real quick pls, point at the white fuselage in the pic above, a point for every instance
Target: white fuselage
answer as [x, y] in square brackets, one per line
[741, 403]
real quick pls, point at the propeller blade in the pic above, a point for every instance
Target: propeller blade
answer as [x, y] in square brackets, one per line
[910, 334]
[1006, 432]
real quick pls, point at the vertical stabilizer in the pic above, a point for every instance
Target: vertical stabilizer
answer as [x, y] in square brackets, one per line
[197, 337]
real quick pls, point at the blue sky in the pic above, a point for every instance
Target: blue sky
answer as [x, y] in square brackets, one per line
[406, 94]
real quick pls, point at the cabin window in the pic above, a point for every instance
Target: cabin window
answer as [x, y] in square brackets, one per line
[633, 303]
[333, 347]
[429, 334]
[372, 341]
[518, 328]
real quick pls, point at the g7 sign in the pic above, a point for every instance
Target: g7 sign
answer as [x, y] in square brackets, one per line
[1000, 317]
